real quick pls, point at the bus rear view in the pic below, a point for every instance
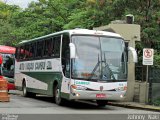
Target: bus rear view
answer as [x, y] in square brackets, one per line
[7, 67]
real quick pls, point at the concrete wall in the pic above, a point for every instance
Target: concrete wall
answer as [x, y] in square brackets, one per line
[141, 92]
[130, 32]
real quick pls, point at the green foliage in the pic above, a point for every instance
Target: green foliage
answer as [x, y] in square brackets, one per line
[157, 59]
[156, 102]
[6, 14]
[47, 16]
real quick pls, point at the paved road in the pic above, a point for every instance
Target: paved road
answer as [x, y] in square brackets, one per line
[44, 105]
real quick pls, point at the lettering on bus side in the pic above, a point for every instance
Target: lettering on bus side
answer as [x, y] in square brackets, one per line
[21, 66]
[82, 83]
[49, 65]
[30, 66]
[40, 66]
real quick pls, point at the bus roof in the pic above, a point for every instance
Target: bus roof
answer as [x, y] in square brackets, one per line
[7, 49]
[76, 31]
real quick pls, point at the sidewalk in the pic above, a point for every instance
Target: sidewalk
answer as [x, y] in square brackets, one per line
[135, 105]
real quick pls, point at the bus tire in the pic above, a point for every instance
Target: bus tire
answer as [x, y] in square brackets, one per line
[57, 96]
[102, 103]
[24, 89]
[25, 92]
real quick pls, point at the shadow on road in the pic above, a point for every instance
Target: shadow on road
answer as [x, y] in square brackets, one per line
[81, 105]
[75, 104]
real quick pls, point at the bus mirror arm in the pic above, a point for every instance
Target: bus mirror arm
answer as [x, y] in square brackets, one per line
[72, 50]
[134, 53]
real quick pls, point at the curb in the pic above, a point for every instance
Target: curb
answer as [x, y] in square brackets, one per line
[136, 106]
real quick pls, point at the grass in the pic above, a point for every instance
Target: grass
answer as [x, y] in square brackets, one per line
[156, 102]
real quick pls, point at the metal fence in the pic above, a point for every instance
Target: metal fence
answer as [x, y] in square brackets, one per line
[153, 79]
[140, 73]
[154, 84]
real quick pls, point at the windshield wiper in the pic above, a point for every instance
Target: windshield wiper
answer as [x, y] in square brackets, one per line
[107, 65]
[95, 68]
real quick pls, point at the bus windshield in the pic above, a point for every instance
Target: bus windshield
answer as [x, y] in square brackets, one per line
[99, 58]
[7, 68]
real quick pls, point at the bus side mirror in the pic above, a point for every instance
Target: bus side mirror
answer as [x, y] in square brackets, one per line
[72, 50]
[134, 53]
[1, 59]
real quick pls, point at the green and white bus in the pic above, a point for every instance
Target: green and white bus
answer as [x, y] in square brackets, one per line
[76, 64]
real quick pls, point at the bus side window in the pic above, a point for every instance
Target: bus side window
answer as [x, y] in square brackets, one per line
[39, 51]
[26, 52]
[17, 55]
[32, 50]
[45, 48]
[53, 45]
[48, 47]
[56, 44]
[21, 52]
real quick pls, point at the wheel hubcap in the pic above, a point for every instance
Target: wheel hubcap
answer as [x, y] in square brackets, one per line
[24, 90]
[57, 96]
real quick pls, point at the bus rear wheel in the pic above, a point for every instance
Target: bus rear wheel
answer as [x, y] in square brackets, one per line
[24, 89]
[25, 92]
[102, 103]
[57, 96]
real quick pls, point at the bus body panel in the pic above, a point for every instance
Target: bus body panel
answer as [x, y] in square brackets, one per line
[89, 90]
[105, 95]
[65, 86]
[41, 74]
[74, 32]
[38, 75]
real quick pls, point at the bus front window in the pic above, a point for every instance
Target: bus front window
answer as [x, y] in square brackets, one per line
[8, 65]
[88, 53]
[114, 57]
[99, 58]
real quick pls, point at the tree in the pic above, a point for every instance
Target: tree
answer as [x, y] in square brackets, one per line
[148, 16]
[6, 14]
[48, 16]
[89, 14]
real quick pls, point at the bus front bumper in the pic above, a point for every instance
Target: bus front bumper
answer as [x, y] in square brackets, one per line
[98, 95]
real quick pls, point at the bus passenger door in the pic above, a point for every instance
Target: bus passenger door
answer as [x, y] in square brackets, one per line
[66, 78]
[65, 60]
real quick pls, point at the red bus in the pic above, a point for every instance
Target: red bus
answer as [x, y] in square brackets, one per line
[7, 67]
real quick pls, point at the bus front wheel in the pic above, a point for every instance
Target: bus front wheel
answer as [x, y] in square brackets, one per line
[58, 99]
[102, 103]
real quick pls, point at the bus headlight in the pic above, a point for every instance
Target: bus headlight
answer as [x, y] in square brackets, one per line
[77, 95]
[78, 87]
[121, 88]
[121, 96]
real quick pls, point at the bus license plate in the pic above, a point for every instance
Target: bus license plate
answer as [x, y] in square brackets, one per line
[100, 95]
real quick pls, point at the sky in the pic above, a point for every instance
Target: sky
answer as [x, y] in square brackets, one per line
[21, 3]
